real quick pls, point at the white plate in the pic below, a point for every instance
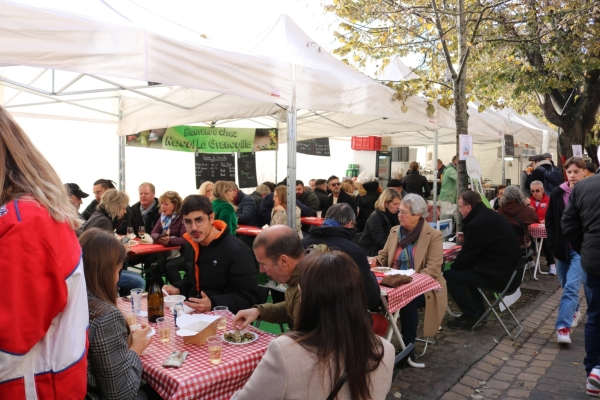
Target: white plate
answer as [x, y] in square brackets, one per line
[242, 332]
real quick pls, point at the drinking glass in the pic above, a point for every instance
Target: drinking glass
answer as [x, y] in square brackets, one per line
[130, 317]
[142, 231]
[164, 329]
[136, 299]
[222, 312]
[215, 346]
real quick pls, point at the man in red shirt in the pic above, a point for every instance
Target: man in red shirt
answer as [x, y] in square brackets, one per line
[539, 202]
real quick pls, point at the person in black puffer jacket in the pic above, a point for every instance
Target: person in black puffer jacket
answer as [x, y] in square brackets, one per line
[366, 204]
[416, 183]
[380, 222]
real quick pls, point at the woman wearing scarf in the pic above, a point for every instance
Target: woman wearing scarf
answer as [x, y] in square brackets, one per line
[568, 261]
[168, 231]
[414, 244]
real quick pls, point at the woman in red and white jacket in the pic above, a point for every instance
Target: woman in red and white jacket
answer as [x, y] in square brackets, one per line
[43, 339]
[539, 202]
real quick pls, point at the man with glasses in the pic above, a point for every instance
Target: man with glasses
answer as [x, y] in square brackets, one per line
[539, 202]
[220, 267]
[337, 195]
[488, 257]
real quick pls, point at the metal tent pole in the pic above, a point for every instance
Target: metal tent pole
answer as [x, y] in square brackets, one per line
[291, 149]
[503, 155]
[435, 171]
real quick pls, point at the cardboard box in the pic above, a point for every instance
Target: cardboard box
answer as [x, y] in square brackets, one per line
[196, 328]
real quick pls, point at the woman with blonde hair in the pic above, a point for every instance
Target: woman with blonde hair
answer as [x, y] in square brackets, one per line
[114, 365]
[206, 189]
[107, 217]
[35, 211]
[380, 222]
[279, 212]
[223, 205]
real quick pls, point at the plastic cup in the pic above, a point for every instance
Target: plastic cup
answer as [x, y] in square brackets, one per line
[222, 312]
[164, 330]
[130, 317]
[136, 299]
[215, 347]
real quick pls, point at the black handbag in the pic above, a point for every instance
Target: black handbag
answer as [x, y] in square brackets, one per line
[338, 386]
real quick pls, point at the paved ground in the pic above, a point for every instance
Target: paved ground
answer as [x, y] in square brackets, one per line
[486, 363]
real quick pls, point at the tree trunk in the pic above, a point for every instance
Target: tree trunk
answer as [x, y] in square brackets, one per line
[461, 104]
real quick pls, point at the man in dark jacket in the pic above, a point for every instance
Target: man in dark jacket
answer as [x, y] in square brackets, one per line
[145, 212]
[308, 202]
[416, 183]
[337, 232]
[338, 195]
[366, 204]
[321, 192]
[581, 228]
[487, 259]
[540, 167]
[247, 212]
[258, 195]
[264, 212]
[223, 273]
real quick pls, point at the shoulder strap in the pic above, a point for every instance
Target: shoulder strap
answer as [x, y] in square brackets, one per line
[338, 386]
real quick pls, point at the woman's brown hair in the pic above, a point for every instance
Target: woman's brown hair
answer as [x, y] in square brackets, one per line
[27, 174]
[220, 190]
[414, 166]
[174, 198]
[103, 255]
[282, 195]
[333, 321]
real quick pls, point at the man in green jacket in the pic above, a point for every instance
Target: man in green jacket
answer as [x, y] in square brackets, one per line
[278, 250]
[448, 191]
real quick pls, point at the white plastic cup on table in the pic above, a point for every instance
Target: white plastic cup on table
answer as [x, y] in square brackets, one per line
[136, 299]
[130, 233]
[222, 312]
[164, 329]
[142, 231]
[319, 213]
[215, 347]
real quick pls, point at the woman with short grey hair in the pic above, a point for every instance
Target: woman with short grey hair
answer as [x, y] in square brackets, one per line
[514, 208]
[512, 193]
[416, 204]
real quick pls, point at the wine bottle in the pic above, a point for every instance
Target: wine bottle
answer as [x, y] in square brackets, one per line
[155, 297]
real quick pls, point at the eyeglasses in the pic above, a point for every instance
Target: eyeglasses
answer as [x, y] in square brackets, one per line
[199, 222]
[335, 183]
[405, 213]
[536, 190]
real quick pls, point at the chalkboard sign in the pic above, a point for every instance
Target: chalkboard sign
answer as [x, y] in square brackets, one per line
[247, 170]
[509, 146]
[214, 167]
[314, 147]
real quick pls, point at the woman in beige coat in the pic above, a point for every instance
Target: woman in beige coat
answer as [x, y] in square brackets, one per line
[414, 244]
[332, 336]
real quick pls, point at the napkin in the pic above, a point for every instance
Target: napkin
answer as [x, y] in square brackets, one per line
[146, 239]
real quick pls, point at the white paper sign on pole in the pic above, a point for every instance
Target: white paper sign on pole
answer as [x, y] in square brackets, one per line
[577, 150]
[466, 146]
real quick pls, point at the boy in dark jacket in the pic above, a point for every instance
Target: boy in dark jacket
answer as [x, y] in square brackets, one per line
[220, 267]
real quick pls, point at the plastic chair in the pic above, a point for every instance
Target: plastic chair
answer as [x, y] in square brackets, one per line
[504, 293]
[401, 360]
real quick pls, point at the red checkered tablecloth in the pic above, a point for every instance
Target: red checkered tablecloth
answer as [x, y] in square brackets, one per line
[537, 231]
[450, 254]
[142, 248]
[248, 230]
[404, 294]
[198, 378]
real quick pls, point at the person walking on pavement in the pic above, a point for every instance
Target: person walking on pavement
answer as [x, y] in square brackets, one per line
[581, 227]
[569, 268]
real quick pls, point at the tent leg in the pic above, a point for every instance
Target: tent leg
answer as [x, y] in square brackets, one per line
[122, 162]
[435, 172]
[291, 166]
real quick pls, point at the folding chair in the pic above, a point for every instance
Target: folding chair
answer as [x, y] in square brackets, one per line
[401, 359]
[504, 293]
[263, 296]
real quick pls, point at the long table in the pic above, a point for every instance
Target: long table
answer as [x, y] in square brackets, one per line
[143, 249]
[197, 378]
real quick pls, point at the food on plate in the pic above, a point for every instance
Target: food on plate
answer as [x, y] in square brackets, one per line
[381, 269]
[238, 337]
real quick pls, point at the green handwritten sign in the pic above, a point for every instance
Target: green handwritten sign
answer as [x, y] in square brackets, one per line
[206, 139]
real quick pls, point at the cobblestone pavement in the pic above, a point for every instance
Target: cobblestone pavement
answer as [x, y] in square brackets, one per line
[487, 363]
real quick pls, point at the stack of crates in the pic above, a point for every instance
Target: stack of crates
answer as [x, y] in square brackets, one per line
[352, 171]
